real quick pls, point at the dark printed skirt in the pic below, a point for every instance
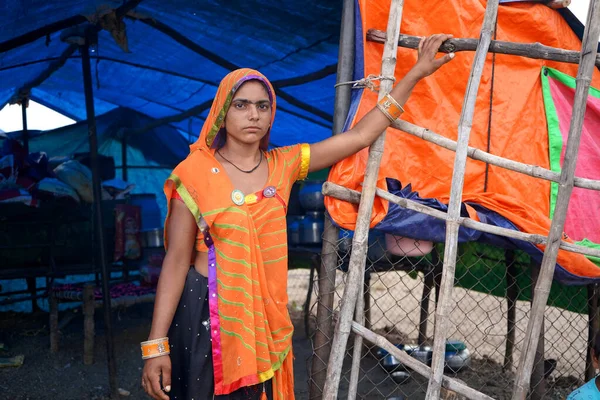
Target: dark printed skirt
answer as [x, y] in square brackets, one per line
[192, 375]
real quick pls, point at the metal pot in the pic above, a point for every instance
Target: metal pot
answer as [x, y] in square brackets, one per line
[400, 377]
[311, 197]
[312, 226]
[152, 237]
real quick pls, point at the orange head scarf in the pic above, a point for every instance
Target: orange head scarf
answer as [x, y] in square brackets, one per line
[213, 134]
[251, 335]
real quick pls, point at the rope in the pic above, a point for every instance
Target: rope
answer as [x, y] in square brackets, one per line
[367, 82]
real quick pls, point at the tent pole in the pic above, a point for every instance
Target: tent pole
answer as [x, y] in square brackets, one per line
[99, 231]
[329, 258]
[124, 155]
[356, 265]
[24, 104]
[589, 50]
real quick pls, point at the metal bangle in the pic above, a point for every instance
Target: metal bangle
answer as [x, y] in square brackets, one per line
[393, 100]
[385, 112]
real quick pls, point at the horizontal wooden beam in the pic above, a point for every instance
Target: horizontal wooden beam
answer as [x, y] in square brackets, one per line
[415, 365]
[480, 155]
[353, 196]
[530, 50]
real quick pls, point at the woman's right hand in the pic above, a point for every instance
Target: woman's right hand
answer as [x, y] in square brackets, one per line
[154, 368]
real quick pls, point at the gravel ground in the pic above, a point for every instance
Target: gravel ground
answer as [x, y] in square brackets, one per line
[63, 375]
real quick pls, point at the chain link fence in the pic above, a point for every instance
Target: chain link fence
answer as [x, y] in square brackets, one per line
[490, 311]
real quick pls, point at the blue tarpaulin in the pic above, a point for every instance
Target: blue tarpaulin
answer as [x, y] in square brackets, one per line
[177, 52]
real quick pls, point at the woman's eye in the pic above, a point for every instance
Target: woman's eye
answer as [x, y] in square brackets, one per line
[239, 106]
[264, 107]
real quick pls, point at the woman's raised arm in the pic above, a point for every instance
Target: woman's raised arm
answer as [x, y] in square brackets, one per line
[363, 134]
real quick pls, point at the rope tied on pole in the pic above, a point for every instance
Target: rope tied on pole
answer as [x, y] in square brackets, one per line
[368, 82]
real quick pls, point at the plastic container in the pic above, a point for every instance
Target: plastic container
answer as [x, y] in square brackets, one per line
[311, 197]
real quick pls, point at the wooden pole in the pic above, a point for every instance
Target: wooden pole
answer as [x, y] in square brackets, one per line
[593, 327]
[442, 318]
[329, 258]
[359, 317]
[428, 283]
[512, 294]
[537, 390]
[416, 365]
[529, 50]
[124, 170]
[53, 321]
[477, 154]
[88, 324]
[24, 105]
[99, 229]
[352, 196]
[542, 289]
[356, 268]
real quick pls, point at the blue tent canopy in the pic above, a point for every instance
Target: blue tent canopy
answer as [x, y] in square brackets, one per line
[170, 57]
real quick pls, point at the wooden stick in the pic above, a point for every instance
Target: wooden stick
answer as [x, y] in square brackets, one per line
[329, 258]
[356, 265]
[477, 154]
[529, 50]
[53, 322]
[359, 318]
[542, 289]
[415, 365]
[593, 328]
[512, 295]
[352, 196]
[425, 296]
[88, 324]
[442, 318]
[537, 390]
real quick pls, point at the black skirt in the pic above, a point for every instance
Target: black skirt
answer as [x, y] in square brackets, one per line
[192, 375]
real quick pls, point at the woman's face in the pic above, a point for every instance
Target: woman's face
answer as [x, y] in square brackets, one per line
[249, 116]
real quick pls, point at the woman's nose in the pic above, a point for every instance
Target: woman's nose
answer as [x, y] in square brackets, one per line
[253, 110]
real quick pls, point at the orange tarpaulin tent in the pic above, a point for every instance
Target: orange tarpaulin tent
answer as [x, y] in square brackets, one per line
[510, 117]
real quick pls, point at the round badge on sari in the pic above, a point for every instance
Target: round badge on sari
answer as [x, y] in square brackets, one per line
[269, 191]
[215, 170]
[237, 196]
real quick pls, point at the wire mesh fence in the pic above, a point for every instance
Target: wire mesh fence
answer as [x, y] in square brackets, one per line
[490, 311]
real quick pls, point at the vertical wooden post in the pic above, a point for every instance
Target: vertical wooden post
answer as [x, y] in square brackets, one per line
[442, 317]
[356, 267]
[329, 258]
[24, 105]
[542, 289]
[438, 268]
[538, 382]
[363, 307]
[89, 307]
[593, 327]
[427, 287]
[90, 39]
[512, 294]
[53, 321]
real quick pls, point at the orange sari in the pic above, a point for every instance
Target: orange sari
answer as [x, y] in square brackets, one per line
[251, 329]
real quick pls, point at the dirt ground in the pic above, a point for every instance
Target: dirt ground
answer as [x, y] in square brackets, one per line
[63, 375]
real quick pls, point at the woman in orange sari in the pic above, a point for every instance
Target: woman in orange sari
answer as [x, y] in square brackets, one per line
[221, 327]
